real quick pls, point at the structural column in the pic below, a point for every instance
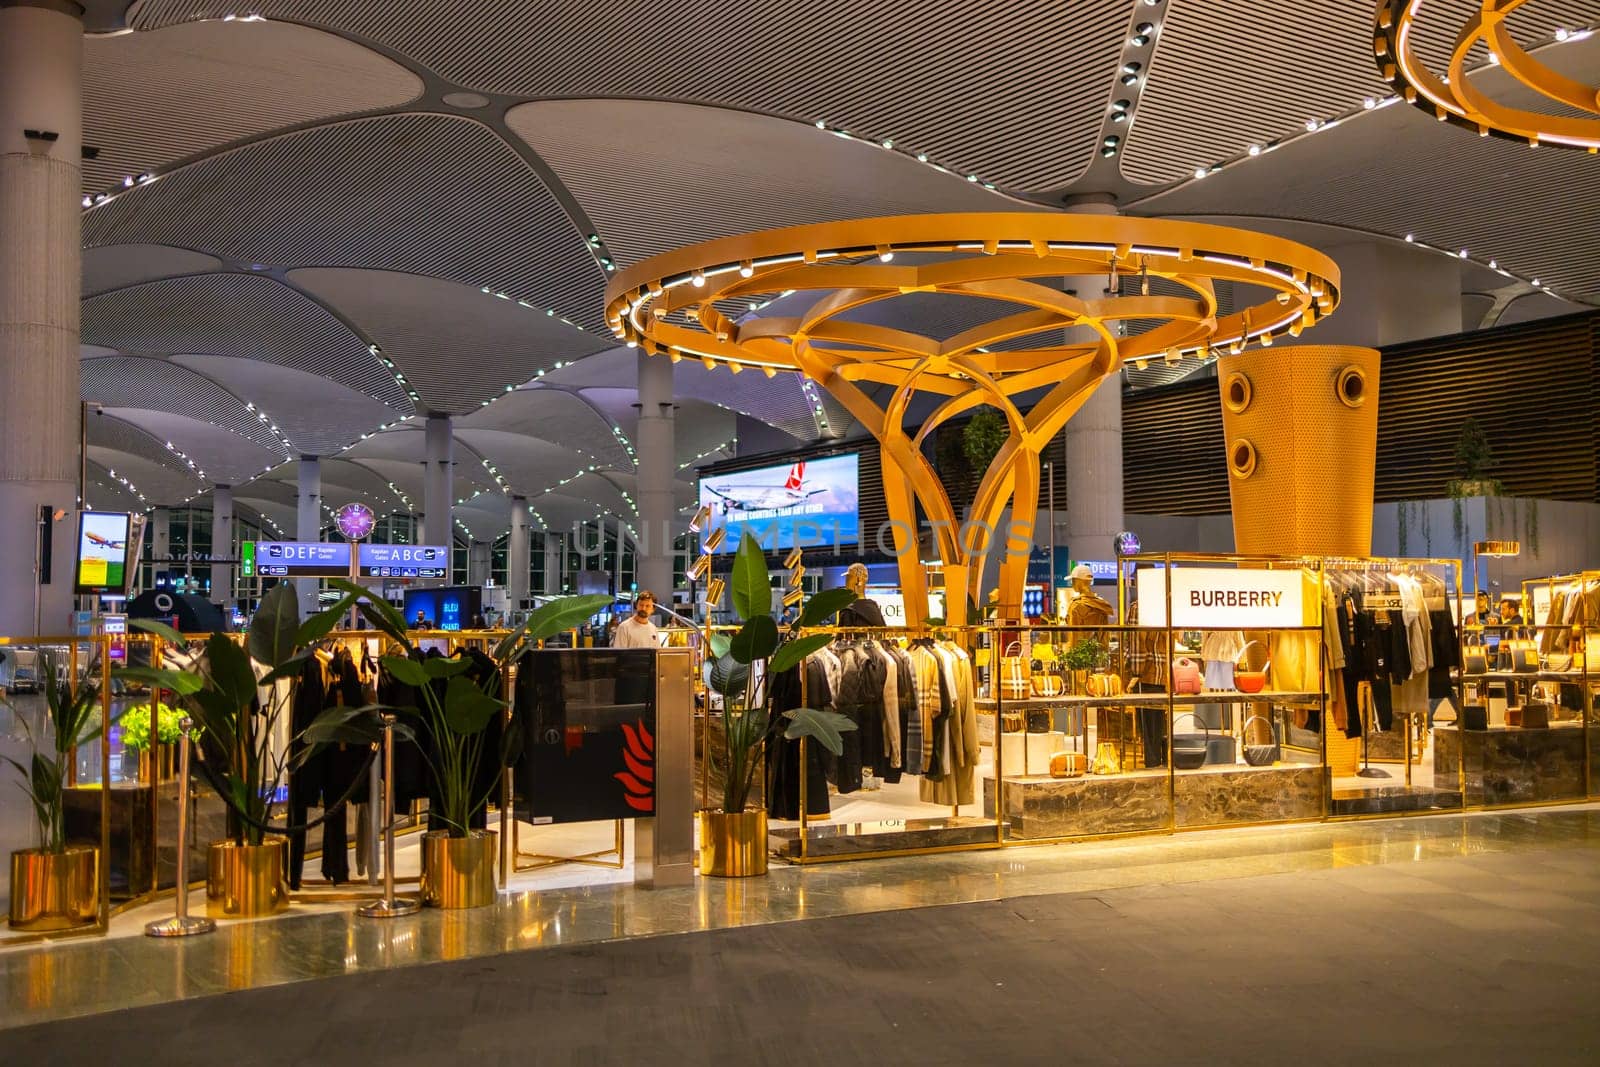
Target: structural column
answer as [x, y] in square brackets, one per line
[308, 526]
[480, 559]
[1092, 442]
[222, 546]
[41, 138]
[438, 506]
[518, 569]
[554, 564]
[657, 454]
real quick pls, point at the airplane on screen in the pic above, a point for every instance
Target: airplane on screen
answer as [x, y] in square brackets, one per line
[766, 497]
[104, 542]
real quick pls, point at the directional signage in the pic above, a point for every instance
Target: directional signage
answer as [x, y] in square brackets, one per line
[404, 561]
[297, 559]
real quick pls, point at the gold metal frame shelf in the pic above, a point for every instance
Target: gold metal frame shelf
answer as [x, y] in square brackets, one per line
[728, 304]
[1455, 99]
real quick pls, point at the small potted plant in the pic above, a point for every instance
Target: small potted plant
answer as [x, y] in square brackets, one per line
[1079, 659]
[55, 886]
[733, 838]
[452, 717]
[135, 723]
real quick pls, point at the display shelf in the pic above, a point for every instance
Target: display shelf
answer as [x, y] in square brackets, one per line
[1213, 696]
[1525, 676]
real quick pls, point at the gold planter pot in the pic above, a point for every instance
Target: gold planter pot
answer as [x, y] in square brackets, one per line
[55, 892]
[458, 872]
[247, 881]
[733, 846]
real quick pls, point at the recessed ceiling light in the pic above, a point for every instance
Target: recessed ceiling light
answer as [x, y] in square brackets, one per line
[1199, 172]
[1462, 253]
[1410, 237]
[1255, 150]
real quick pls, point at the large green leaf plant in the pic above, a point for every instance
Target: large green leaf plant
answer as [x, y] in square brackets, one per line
[219, 690]
[747, 719]
[73, 720]
[453, 710]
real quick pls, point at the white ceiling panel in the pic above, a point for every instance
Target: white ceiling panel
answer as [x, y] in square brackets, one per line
[115, 266]
[318, 416]
[226, 457]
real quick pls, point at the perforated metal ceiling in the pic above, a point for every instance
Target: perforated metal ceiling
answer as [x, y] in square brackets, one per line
[148, 382]
[239, 80]
[1009, 91]
[421, 194]
[115, 266]
[240, 315]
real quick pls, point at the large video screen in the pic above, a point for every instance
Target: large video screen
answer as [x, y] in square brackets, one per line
[102, 552]
[808, 503]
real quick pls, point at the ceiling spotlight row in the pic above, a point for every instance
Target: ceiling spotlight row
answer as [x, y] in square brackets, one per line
[1135, 59]
[888, 145]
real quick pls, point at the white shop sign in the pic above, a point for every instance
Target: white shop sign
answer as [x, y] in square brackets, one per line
[1220, 598]
[893, 606]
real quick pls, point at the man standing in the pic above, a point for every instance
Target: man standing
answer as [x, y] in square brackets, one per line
[637, 631]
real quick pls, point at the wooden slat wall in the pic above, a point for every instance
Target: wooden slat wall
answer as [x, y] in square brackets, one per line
[1535, 388]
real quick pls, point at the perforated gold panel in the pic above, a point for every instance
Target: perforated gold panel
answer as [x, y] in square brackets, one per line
[1301, 435]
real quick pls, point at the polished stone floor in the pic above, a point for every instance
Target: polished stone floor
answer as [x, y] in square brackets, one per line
[67, 979]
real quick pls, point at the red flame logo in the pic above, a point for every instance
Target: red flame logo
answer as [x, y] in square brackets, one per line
[639, 756]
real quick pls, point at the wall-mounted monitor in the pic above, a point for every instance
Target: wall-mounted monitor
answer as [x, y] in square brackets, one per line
[809, 503]
[102, 552]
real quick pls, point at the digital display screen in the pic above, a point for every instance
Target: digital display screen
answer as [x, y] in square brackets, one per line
[808, 503]
[102, 552]
[450, 608]
[297, 559]
[403, 561]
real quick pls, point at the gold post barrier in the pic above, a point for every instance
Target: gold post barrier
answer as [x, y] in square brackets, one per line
[390, 906]
[182, 924]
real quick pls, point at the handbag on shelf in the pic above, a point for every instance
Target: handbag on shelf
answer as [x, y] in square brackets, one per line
[1189, 750]
[1106, 760]
[1246, 680]
[1185, 676]
[1535, 716]
[1521, 656]
[1045, 685]
[1011, 722]
[1104, 684]
[1013, 673]
[1474, 717]
[1261, 755]
[1068, 764]
[1476, 660]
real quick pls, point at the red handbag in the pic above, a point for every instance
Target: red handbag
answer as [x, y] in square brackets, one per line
[1185, 677]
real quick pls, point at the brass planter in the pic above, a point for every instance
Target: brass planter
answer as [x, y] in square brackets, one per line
[247, 881]
[52, 891]
[733, 846]
[458, 872]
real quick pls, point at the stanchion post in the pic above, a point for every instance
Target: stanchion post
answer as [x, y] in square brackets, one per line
[374, 831]
[390, 906]
[182, 924]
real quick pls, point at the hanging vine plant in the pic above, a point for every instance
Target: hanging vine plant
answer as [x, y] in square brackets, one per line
[1404, 531]
[983, 437]
[1474, 458]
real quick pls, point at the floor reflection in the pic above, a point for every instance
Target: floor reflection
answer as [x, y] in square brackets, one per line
[39, 983]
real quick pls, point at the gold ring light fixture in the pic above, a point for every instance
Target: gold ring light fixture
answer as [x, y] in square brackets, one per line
[1452, 97]
[1068, 299]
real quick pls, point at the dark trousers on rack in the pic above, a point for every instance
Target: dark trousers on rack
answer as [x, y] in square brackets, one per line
[1152, 731]
[335, 841]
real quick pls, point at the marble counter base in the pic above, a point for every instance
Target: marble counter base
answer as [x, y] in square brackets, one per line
[1248, 794]
[866, 838]
[1512, 765]
[1073, 807]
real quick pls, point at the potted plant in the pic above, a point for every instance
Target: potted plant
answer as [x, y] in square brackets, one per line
[135, 723]
[453, 715]
[733, 838]
[247, 873]
[1079, 659]
[55, 886]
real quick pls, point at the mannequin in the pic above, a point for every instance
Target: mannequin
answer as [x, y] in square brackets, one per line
[863, 612]
[1084, 608]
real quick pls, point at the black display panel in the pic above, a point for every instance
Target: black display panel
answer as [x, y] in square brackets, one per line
[589, 722]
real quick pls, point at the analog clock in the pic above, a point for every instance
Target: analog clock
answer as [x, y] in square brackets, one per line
[355, 521]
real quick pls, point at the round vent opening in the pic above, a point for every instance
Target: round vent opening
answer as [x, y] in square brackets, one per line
[1236, 392]
[1352, 387]
[1242, 459]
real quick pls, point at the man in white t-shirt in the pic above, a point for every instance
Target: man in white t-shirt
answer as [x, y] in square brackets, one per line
[637, 631]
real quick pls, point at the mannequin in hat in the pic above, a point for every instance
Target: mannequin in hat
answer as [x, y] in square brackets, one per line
[1084, 608]
[863, 612]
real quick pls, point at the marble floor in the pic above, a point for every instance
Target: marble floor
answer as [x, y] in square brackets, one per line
[62, 980]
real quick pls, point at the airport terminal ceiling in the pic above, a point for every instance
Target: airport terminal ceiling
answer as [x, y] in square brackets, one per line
[311, 223]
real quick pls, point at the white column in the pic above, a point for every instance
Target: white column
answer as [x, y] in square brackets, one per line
[480, 558]
[518, 561]
[438, 506]
[160, 537]
[222, 546]
[308, 526]
[41, 58]
[1093, 444]
[553, 563]
[657, 459]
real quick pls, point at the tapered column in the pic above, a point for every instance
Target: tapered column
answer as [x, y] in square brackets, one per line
[308, 526]
[1092, 443]
[480, 557]
[518, 571]
[554, 565]
[222, 544]
[41, 52]
[656, 458]
[438, 506]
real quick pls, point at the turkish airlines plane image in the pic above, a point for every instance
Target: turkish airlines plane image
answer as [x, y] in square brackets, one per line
[755, 497]
[103, 542]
